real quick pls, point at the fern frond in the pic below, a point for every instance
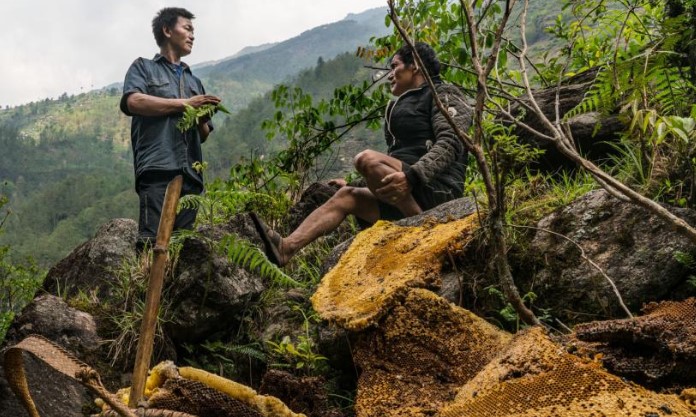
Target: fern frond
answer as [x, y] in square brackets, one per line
[192, 115]
[601, 96]
[248, 350]
[248, 256]
[191, 201]
[672, 91]
[227, 351]
[685, 258]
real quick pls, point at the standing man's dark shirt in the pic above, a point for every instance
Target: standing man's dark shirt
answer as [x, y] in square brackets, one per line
[157, 143]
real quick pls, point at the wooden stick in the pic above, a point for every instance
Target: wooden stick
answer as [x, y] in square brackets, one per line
[154, 291]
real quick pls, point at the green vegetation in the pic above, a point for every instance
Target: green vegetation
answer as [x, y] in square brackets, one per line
[299, 355]
[192, 115]
[122, 313]
[19, 281]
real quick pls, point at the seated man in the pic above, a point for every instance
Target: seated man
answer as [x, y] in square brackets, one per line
[424, 166]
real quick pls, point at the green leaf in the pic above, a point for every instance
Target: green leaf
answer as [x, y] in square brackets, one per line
[192, 115]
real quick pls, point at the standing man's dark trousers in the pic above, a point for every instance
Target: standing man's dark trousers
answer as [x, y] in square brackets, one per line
[151, 189]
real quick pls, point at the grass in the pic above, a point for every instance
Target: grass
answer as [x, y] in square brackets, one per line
[124, 319]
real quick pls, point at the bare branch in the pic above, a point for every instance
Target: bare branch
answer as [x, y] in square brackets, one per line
[523, 69]
[509, 4]
[472, 28]
[495, 222]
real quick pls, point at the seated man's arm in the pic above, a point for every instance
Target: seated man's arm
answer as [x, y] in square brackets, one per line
[448, 148]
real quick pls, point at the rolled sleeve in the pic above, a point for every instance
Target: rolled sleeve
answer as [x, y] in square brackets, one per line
[135, 82]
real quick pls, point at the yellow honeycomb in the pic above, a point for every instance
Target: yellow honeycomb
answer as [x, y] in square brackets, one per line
[381, 264]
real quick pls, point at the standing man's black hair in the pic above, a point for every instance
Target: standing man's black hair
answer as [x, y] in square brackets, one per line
[427, 54]
[167, 18]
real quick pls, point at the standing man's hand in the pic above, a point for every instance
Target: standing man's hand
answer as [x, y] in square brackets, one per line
[202, 99]
[147, 105]
[395, 187]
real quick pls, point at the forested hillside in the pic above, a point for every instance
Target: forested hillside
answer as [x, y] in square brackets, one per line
[66, 166]
[243, 136]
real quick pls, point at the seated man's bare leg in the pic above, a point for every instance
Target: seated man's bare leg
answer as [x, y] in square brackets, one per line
[347, 200]
[374, 167]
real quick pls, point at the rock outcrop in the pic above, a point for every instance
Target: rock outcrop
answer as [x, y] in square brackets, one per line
[92, 266]
[636, 249]
[54, 393]
[208, 293]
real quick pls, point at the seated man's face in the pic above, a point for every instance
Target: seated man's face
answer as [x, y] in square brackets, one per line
[402, 77]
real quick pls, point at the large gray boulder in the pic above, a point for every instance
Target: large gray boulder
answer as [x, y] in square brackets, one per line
[209, 294]
[636, 249]
[54, 394]
[204, 293]
[92, 266]
[52, 318]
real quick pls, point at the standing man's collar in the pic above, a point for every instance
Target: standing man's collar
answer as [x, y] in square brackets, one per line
[159, 57]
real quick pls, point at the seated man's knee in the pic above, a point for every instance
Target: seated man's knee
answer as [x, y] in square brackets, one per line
[365, 160]
[343, 193]
[344, 198]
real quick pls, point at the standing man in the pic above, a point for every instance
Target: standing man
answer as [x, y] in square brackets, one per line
[155, 92]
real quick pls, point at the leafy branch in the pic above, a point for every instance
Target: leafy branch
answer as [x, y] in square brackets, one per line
[193, 115]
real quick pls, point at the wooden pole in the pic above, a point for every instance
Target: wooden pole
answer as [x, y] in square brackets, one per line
[154, 291]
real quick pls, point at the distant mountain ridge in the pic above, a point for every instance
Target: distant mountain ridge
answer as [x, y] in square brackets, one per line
[286, 58]
[240, 78]
[244, 51]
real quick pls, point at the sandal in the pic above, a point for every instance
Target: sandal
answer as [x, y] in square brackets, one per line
[271, 240]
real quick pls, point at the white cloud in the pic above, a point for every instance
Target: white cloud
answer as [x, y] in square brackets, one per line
[56, 46]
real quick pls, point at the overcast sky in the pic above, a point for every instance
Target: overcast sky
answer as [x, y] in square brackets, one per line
[56, 46]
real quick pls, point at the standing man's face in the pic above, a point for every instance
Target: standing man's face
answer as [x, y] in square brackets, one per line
[180, 37]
